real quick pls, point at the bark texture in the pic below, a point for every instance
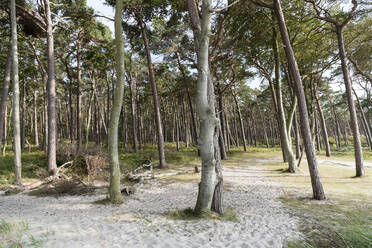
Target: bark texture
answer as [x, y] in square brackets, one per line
[360, 171]
[115, 194]
[16, 113]
[51, 92]
[317, 186]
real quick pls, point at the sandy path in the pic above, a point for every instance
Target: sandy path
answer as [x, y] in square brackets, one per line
[74, 222]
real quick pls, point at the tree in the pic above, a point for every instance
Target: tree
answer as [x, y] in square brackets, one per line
[115, 193]
[210, 186]
[339, 24]
[317, 186]
[51, 89]
[15, 79]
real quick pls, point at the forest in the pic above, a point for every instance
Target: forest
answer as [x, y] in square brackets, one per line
[186, 123]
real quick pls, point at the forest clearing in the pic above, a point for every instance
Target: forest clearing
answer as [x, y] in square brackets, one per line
[269, 207]
[186, 123]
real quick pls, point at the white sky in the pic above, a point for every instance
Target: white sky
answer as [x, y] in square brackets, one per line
[102, 9]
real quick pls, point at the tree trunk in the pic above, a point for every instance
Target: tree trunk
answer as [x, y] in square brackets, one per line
[317, 186]
[78, 93]
[16, 117]
[353, 117]
[240, 121]
[284, 133]
[162, 162]
[364, 120]
[210, 187]
[5, 90]
[132, 94]
[115, 193]
[36, 131]
[323, 126]
[51, 89]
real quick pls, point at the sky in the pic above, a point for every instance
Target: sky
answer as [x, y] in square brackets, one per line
[104, 10]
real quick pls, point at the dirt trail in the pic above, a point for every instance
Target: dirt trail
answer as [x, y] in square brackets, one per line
[72, 221]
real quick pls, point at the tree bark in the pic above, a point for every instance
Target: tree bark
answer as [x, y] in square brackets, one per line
[286, 144]
[36, 131]
[51, 89]
[5, 90]
[240, 121]
[132, 94]
[16, 117]
[162, 162]
[115, 193]
[78, 93]
[323, 126]
[318, 192]
[359, 167]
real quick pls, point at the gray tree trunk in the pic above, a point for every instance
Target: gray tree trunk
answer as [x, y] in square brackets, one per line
[36, 131]
[5, 90]
[359, 167]
[132, 93]
[51, 89]
[284, 133]
[16, 117]
[317, 186]
[115, 193]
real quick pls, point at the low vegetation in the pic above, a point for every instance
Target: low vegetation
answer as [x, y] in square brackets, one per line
[189, 214]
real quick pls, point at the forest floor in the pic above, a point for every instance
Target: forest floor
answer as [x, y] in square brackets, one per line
[273, 209]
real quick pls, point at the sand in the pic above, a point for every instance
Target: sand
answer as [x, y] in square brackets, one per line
[74, 222]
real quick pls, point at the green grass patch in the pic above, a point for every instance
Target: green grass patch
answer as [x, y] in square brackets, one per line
[338, 223]
[189, 214]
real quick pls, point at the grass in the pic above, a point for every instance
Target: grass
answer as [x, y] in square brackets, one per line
[189, 214]
[16, 235]
[343, 220]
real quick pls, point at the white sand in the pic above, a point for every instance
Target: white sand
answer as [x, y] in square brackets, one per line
[72, 221]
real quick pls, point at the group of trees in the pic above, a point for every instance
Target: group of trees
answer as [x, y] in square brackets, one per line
[86, 87]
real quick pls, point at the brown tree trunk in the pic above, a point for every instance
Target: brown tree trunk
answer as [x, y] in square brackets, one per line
[317, 186]
[359, 167]
[78, 93]
[162, 162]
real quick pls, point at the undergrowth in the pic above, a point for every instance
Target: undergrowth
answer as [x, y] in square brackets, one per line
[16, 235]
[189, 214]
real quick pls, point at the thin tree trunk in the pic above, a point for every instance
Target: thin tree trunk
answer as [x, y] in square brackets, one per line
[51, 89]
[5, 90]
[286, 144]
[132, 94]
[364, 120]
[78, 93]
[240, 121]
[162, 162]
[115, 193]
[16, 117]
[317, 186]
[359, 167]
[36, 131]
[323, 126]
